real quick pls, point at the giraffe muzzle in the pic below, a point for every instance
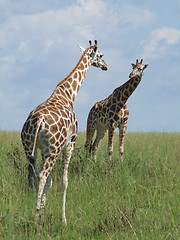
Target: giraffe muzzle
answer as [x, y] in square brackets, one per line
[104, 68]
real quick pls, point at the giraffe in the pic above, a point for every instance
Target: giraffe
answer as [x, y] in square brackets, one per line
[112, 112]
[52, 127]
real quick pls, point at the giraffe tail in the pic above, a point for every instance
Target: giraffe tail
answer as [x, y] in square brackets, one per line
[33, 176]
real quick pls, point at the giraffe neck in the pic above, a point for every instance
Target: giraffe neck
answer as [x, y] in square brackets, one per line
[122, 93]
[71, 84]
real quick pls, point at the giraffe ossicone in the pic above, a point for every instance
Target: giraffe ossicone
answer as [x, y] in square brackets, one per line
[52, 127]
[112, 113]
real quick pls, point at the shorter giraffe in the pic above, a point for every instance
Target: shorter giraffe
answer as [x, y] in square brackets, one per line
[111, 113]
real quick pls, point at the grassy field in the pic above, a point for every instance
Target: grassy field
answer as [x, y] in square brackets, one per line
[139, 199]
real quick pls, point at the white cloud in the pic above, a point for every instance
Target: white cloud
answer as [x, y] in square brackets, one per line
[160, 42]
[25, 37]
[172, 36]
[90, 17]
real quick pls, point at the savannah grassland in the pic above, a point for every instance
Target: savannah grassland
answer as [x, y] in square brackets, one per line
[139, 199]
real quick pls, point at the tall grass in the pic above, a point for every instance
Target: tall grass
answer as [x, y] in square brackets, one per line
[138, 199]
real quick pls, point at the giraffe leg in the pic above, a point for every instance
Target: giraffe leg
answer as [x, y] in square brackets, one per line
[47, 186]
[89, 136]
[122, 132]
[101, 131]
[67, 152]
[44, 183]
[111, 131]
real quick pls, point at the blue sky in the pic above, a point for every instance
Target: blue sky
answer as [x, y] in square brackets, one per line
[39, 47]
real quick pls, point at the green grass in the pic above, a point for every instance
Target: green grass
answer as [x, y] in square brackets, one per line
[138, 199]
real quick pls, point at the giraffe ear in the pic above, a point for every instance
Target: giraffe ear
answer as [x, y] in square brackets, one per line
[145, 66]
[82, 49]
[133, 65]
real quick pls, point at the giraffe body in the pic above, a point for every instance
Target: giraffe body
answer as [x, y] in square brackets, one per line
[110, 113]
[52, 127]
[101, 119]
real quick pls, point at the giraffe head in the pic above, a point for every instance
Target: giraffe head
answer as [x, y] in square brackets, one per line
[138, 69]
[96, 55]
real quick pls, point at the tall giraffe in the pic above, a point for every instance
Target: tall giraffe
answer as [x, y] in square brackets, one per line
[52, 127]
[111, 113]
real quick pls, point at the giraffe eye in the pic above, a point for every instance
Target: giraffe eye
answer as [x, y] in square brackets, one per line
[139, 69]
[101, 56]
